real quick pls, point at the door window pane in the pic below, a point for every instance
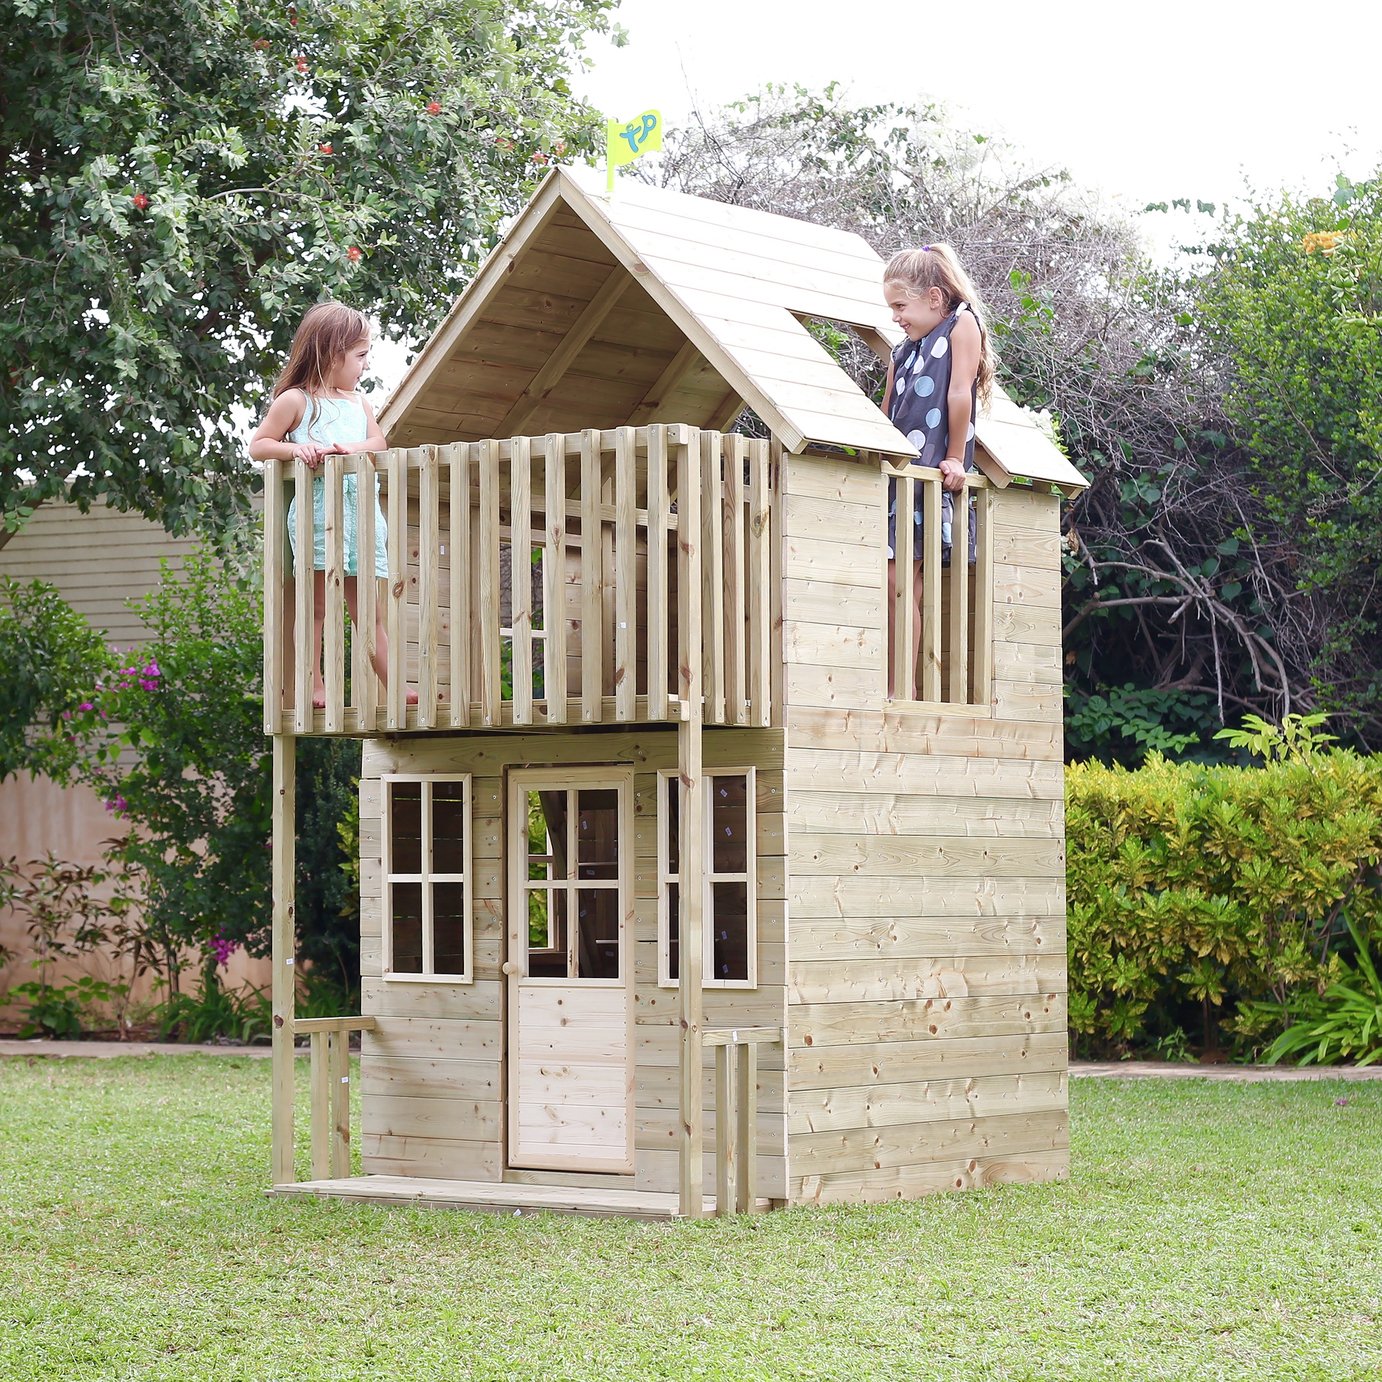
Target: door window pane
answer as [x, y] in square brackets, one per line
[597, 919]
[597, 834]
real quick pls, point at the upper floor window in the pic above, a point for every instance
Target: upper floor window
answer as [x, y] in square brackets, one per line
[427, 878]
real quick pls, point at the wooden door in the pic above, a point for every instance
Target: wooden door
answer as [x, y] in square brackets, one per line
[569, 969]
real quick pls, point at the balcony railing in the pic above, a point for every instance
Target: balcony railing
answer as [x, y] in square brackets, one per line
[531, 581]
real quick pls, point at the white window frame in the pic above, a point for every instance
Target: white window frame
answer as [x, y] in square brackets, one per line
[667, 782]
[427, 877]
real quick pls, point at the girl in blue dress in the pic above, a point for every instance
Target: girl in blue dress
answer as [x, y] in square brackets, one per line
[317, 411]
[937, 377]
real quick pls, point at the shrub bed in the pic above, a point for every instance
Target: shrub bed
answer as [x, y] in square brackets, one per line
[1204, 900]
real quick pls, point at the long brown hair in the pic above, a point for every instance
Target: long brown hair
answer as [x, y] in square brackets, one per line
[936, 266]
[326, 333]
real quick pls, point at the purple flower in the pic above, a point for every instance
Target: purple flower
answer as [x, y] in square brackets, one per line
[86, 705]
[222, 948]
[117, 804]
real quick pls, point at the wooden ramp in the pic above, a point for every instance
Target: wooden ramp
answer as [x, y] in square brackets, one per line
[494, 1197]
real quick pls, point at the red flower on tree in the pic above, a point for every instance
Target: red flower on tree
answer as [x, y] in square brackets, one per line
[434, 107]
[354, 254]
[301, 63]
[539, 157]
[325, 149]
[140, 201]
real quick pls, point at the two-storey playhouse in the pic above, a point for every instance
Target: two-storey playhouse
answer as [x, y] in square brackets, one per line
[665, 891]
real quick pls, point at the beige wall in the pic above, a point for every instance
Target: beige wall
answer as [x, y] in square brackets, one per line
[97, 562]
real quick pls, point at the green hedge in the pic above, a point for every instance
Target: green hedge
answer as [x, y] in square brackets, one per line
[1198, 894]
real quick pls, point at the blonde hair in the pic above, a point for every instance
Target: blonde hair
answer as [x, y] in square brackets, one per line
[324, 336]
[936, 266]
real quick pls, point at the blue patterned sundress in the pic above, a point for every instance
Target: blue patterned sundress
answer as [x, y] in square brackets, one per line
[917, 408]
[327, 420]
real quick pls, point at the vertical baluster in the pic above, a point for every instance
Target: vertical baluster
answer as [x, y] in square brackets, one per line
[592, 604]
[396, 603]
[726, 1111]
[905, 557]
[304, 665]
[658, 613]
[521, 578]
[982, 692]
[712, 578]
[747, 1130]
[490, 690]
[458, 463]
[364, 684]
[735, 604]
[554, 579]
[759, 586]
[625, 575]
[424, 461]
[957, 669]
[333, 632]
[338, 1049]
[931, 591]
[321, 1106]
[275, 594]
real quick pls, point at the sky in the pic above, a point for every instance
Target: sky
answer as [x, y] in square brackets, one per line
[1141, 102]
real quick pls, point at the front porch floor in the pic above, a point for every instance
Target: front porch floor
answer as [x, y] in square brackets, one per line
[496, 1197]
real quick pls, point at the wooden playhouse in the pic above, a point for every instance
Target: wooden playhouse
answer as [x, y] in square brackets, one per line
[652, 653]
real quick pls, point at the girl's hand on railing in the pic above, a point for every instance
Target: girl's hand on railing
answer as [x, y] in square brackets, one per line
[952, 475]
[310, 452]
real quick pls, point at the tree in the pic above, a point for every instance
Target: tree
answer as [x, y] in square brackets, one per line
[182, 181]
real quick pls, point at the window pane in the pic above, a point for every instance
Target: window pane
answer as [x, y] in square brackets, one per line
[448, 928]
[597, 833]
[673, 931]
[539, 846]
[407, 927]
[673, 825]
[597, 917]
[448, 827]
[730, 824]
[547, 958]
[729, 957]
[405, 800]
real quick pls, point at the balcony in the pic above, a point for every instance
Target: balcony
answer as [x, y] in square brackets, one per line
[587, 578]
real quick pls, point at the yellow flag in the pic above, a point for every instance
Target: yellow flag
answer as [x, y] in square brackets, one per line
[624, 143]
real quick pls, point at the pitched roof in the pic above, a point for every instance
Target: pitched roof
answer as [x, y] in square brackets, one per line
[658, 306]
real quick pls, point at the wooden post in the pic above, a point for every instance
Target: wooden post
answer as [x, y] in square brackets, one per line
[746, 1133]
[284, 957]
[712, 610]
[734, 596]
[487, 563]
[726, 1128]
[759, 568]
[904, 685]
[319, 1085]
[338, 1066]
[692, 845]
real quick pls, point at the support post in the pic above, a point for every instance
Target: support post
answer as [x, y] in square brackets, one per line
[691, 1203]
[284, 969]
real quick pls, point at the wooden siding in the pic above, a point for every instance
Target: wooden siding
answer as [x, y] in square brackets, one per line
[434, 1067]
[926, 871]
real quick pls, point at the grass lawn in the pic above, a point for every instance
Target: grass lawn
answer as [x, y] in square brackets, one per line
[1208, 1231]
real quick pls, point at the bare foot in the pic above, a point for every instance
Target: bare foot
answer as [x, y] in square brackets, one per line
[410, 697]
[319, 699]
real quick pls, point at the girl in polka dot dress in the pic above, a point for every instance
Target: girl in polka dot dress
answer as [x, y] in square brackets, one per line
[936, 379]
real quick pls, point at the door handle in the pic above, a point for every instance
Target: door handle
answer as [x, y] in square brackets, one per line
[512, 967]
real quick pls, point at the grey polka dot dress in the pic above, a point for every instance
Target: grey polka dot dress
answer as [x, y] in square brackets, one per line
[917, 408]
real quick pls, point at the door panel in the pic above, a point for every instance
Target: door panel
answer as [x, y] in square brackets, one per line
[570, 1038]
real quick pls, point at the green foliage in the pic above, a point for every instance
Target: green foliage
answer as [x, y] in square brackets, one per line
[66, 1011]
[1297, 737]
[215, 1012]
[173, 741]
[182, 181]
[50, 657]
[1293, 308]
[1214, 891]
[1341, 1023]
[1123, 724]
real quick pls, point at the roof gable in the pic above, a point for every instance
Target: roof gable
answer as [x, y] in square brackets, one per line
[659, 306]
